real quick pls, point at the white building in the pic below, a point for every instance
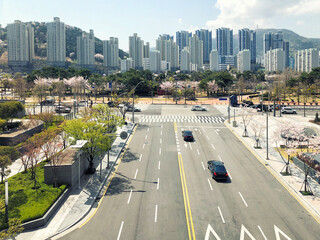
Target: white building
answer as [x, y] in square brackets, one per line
[20, 43]
[155, 61]
[136, 49]
[86, 49]
[56, 42]
[146, 63]
[214, 60]
[126, 64]
[244, 60]
[306, 60]
[226, 62]
[196, 51]
[111, 53]
[185, 60]
[274, 60]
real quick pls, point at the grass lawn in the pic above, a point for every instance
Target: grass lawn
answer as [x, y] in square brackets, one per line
[25, 202]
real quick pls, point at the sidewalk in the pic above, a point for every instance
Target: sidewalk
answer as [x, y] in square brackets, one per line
[80, 201]
[275, 164]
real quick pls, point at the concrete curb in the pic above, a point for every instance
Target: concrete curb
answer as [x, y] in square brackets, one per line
[98, 193]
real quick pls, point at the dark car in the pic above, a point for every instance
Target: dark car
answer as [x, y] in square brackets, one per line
[111, 104]
[217, 170]
[47, 102]
[62, 109]
[129, 109]
[187, 135]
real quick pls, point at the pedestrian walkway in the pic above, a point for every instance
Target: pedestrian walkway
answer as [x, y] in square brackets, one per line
[186, 119]
[275, 163]
[80, 201]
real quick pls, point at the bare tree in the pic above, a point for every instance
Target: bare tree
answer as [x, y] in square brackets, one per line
[246, 115]
[257, 127]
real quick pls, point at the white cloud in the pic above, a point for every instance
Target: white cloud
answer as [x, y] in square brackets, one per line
[180, 21]
[237, 14]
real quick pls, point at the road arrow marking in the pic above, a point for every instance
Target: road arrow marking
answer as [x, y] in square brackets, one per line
[244, 230]
[278, 232]
[210, 230]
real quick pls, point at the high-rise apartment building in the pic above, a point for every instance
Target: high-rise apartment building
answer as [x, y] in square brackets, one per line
[56, 43]
[136, 47]
[185, 60]
[182, 40]
[244, 60]
[169, 51]
[146, 50]
[274, 60]
[224, 41]
[126, 64]
[306, 60]
[155, 61]
[214, 60]
[20, 43]
[206, 37]
[111, 53]
[86, 50]
[196, 51]
[285, 48]
[247, 40]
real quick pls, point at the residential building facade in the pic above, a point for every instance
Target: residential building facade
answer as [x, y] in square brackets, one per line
[136, 47]
[306, 60]
[86, 50]
[244, 60]
[206, 37]
[111, 53]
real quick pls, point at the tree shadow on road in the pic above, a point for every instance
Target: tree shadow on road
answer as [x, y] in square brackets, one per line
[119, 185]
[129, 156]
[120, 174]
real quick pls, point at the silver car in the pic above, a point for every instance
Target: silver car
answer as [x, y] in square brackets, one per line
[198, 108]
[288, 110]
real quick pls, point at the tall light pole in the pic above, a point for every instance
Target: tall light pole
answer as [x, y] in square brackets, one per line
[133, 100]
[7, 200]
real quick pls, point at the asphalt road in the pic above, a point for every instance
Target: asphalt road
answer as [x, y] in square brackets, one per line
[162, 188]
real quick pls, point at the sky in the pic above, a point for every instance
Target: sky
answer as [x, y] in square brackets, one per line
[150, 18]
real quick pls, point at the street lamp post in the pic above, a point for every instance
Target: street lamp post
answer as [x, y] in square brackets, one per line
[7, 200]
[176, 91]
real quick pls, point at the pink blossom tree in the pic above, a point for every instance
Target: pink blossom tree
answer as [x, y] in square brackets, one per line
[41, 86]
[167, 86]
[212, 86]
[257, 127]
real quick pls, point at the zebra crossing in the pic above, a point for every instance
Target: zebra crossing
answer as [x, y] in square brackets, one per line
[183, 119]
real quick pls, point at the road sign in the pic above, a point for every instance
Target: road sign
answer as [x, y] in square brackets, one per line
[123, 135]
[110, 84]
[223, 99]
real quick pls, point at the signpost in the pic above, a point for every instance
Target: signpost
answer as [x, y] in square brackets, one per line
[123, 135]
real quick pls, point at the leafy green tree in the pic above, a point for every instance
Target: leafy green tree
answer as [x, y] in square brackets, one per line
[9, 110]
[94, 133]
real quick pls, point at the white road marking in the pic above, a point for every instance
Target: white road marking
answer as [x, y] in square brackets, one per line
[221, 215]
[213, 146]
[244, 230]
[210, 230]
[264, 236]
[203, 166]
[160, 140]
[219, 158]
[210, 184]
[278, 232]
[158, 183]
[190, 145]
[156, 214]
[161, 133]
[143, 145]
[229, 175]
[160, 151]
[129, 196]
[208, 137]
[200, 132]
[216, 131]
[146, 137]
[203, 129]
[135, 176]
[120, 230]
[198, 151]
[159, 165]
[178, 145]
[148, 129]
[186, 145]
[140, 158]
[243, 199]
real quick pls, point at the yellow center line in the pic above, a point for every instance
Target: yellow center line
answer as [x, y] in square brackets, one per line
[110, 179]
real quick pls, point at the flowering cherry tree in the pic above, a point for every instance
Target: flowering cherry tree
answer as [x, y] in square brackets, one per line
[212, 86]
[257, 127]
[167, 85]
[41, 86]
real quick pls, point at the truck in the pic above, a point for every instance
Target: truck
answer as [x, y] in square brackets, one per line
[233, 101]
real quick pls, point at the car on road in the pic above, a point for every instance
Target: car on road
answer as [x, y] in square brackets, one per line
[285, 110]
[198, 108]
[62, 109]
[129, 109]
[187, 135]
[47, 102]
[218, 170]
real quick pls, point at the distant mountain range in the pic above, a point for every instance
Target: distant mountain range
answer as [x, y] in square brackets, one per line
[297, 42]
